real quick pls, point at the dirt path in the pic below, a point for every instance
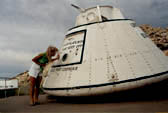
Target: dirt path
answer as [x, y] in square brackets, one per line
[21, 104]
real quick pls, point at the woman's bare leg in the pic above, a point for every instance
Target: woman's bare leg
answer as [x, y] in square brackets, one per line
[37, 89]
[32, 88]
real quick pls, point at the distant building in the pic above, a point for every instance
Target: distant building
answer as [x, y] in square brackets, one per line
[7, 83]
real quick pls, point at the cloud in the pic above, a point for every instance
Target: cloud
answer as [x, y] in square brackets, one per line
[146, 11]
[28, 38]
[27, 28]
[13, 62]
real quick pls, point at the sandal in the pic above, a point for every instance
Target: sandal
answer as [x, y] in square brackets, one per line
[37, 103]
[32, 104]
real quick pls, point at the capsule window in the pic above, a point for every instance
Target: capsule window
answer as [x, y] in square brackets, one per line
[104, 18]
[64, 57]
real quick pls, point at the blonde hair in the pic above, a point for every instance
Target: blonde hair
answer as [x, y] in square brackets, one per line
[50, 49]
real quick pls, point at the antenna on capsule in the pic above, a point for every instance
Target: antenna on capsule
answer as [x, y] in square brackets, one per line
[78, 8]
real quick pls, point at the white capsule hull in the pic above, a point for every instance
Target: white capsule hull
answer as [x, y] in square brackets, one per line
[105, 57]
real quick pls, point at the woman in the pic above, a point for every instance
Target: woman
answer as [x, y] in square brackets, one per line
[39, 62]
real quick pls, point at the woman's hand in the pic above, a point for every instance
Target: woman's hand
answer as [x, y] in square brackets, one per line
[58, 56]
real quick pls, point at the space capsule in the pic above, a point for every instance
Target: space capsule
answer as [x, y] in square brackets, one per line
[105, 53]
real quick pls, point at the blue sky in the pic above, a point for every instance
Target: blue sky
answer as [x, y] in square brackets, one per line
[27, 27]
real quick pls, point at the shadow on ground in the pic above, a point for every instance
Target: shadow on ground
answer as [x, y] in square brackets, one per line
[153, 92]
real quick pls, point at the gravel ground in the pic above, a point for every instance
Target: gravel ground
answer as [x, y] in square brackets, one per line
[91, 105]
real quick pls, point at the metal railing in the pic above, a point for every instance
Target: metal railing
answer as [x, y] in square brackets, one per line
[4, 87]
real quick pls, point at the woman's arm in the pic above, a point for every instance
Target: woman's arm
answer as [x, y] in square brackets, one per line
[35, 59]
[49, 58]
[58, 56]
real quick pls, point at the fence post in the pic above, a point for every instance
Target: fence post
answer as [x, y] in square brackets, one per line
[5, 87]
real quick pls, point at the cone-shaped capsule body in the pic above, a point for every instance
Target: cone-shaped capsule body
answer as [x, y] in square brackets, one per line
[105, 53]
